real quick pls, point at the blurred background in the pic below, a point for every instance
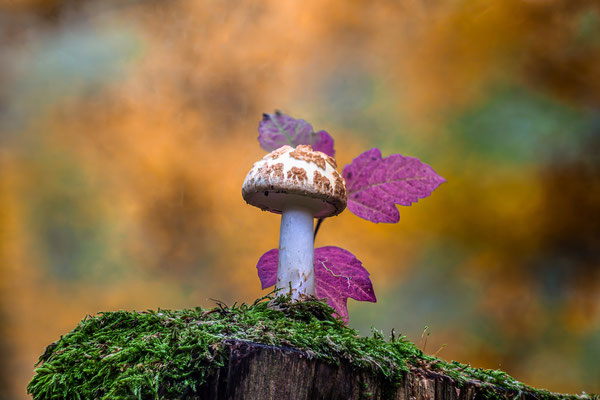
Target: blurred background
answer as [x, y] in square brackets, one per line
[127, 128]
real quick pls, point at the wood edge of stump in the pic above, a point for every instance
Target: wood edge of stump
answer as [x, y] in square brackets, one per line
[258, 371]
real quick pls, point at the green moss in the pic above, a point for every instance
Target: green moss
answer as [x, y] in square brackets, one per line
[169, 354]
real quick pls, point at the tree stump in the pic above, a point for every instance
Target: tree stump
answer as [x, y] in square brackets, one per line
[256, 371]
[272, 349]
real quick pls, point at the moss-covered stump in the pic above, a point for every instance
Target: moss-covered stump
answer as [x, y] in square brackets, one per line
[272, 349]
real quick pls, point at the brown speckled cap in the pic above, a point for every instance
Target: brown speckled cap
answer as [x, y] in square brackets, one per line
[296, 176]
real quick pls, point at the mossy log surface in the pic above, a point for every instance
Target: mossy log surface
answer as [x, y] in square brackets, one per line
[257, 371]
[272, 349]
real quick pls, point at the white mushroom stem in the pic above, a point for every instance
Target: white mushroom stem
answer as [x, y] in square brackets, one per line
[296, 252]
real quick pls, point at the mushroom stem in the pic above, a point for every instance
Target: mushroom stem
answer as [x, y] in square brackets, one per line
[296, 252]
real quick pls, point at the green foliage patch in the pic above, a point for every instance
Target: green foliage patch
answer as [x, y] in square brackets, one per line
[170, 354]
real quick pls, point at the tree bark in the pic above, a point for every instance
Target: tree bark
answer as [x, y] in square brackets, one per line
[256, 371]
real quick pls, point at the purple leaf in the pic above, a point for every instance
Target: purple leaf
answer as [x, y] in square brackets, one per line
[376, 185]
[267, 268]
[338, 276]
[276, 130]
[324, 143]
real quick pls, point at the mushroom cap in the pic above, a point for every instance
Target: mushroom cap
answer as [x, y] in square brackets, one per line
[296, 176]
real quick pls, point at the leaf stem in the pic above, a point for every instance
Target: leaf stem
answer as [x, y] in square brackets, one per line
[319, 222]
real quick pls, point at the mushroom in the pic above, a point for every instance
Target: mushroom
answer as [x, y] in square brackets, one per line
[300, 184]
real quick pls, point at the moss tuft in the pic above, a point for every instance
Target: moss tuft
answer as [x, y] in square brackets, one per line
[170, 354]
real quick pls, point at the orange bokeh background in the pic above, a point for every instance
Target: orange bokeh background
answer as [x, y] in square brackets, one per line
[127, 128]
